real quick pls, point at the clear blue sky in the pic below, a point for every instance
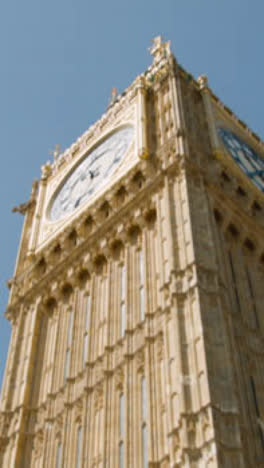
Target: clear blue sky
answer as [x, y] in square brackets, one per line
[61, 58]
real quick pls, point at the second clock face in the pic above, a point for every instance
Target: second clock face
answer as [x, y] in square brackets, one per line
[93, 172]
[247, 159]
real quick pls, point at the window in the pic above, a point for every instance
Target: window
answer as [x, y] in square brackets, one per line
[144, 430]
[59, 456]
[141, 286]
[254, 394]
[79, 447]
[234, 281]
[255, 399]
[121, 455]
[69, 343]
[250, 286]
[86, 329]
[121, 429]
[123, 301]
[143, 399]
[145, 445]
[122, 415]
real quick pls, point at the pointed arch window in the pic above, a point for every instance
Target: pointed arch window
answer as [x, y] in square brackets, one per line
[141, 285]
[123, 301]
[233, 274]
[86, 335]
[144, 429]
[79, 447]
[258, 414]
[251, 291]
[121, 430]
[69, 345]
[59, 456]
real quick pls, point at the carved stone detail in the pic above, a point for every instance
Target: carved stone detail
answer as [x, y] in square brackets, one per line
[78, 410]
[119, 378]
[140, 361]
[38, 443]
[160, 348]
[179, 299]
[46, 171]
[99, 397]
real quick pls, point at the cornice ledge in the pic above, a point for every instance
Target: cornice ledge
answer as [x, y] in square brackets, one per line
[238, 121]
[35, 289]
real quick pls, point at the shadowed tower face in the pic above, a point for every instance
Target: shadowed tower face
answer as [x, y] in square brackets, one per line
[137, 299]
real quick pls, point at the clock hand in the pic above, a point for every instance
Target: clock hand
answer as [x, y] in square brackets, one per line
[94, 173]
[109, 169]
[77, 202]
[100, 153]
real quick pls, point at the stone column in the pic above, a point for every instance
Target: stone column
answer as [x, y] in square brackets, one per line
[46, 171]
[17, 329]
[142, 145]
[205, 92]
[177, 106]
[26, 384]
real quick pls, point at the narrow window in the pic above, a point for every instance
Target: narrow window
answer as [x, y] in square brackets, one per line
[252, 298]
[254, 394]
[67, 364]
[70, 327]
[123, 301]
[79, 447]
[234, 281]
[144, 430]
[123, 282]
[255, 399]
[122, 415]
[143, 399]
[121, 455]
[69, 343]
[141, 286]
[59, 456]
[86, 329]
[121, 429]
[145, 445]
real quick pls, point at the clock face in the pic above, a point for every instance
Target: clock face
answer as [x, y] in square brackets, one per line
[91, 174]
[247, 159]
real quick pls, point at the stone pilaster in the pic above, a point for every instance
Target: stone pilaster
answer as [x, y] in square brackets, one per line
[203, 85]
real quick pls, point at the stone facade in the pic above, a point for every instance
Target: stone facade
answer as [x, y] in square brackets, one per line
[137, 322]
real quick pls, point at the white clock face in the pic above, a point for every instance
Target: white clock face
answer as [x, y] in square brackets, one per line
[91, 174]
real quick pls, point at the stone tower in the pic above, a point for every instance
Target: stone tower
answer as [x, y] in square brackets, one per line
[137, 300]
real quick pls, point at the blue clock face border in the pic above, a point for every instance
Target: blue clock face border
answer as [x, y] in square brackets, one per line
[91, 173]
[246, 158]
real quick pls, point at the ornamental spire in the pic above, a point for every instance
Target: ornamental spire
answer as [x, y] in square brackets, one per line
[56, 152]
[159, 49]
[113, 97]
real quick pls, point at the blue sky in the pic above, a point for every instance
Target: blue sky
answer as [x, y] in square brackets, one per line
[60, 60]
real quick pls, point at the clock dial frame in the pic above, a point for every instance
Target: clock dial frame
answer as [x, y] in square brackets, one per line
[247, 159]
[91, 173]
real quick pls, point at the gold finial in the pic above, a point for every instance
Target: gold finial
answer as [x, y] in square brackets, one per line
[56, 152]
[159, 49]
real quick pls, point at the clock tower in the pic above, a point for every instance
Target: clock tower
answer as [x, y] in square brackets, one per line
[137, 299]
